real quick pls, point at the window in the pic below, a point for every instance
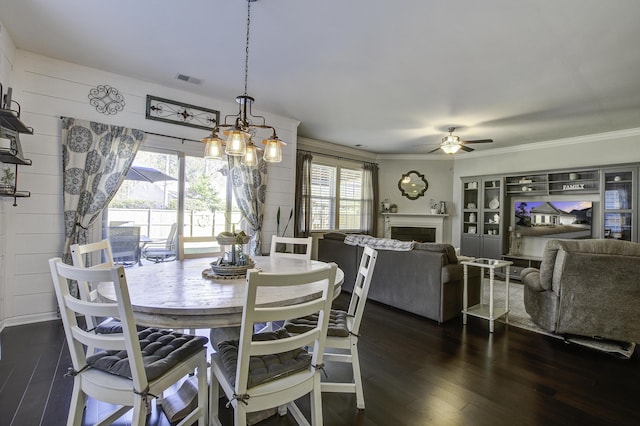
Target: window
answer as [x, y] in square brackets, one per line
[153, 204]
[336, 197]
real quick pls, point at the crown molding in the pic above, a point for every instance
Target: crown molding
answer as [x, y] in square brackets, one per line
[575, 140]
[328, 148]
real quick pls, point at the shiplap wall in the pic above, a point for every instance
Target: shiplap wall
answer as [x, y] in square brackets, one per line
[33, 231]
[7, 51]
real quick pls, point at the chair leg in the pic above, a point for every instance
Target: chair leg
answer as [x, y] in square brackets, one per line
[139, 416]
[357, 379]
[78, 402]
[203, 419]
[316, 402]
[214, 395]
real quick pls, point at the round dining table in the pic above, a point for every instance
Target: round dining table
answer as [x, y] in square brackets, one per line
[178, 295]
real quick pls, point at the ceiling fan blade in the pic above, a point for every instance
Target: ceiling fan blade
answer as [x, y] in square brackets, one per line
[434, 150]
[479, 141]
[466, 148]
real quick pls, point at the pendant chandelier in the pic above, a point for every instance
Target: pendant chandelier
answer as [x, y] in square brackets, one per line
[239, 133]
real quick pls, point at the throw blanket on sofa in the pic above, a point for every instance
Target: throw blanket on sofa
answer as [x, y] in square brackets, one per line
[378, 243]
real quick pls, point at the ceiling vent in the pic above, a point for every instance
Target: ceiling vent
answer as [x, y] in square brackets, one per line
[189, 79]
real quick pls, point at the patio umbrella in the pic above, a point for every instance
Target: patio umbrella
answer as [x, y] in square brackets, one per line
[147, 174]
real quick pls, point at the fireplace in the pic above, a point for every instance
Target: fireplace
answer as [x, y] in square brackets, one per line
[414, 233]
[433, 223]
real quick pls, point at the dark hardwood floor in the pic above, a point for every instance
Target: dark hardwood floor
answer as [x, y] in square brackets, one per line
[415, 372]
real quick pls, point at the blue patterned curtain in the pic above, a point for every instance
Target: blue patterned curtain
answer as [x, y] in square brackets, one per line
[95, 161]
[250, 189]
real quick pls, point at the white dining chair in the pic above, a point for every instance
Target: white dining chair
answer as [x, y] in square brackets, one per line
[344, 329]
[297, 244]
[96, 255]
[197, 247]
[134, 367]
[261, 371]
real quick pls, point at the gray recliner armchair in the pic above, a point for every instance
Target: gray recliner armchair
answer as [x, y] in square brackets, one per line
[586, 288]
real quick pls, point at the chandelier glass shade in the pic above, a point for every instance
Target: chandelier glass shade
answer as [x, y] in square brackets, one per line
[250, 157]
[239, 133]
[213, 147]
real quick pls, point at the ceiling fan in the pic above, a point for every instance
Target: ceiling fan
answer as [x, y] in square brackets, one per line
[451, 144]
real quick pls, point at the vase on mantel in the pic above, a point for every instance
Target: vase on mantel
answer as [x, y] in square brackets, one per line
[435, 211]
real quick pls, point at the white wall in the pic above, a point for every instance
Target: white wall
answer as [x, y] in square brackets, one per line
[33, 231]
[438, 173]
[7, 52]
[587, 151]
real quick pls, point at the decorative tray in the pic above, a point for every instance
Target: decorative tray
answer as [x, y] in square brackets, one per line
[227, 271]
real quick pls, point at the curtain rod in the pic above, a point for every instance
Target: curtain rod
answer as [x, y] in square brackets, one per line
[169, 136]
[336, 156]
[163, 135]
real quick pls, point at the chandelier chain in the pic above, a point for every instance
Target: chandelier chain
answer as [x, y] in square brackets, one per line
[246, 52]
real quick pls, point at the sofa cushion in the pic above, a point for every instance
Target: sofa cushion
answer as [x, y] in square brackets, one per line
[334, 236]
[447, 249]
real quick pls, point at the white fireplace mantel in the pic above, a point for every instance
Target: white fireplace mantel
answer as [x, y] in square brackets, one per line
[415, 219]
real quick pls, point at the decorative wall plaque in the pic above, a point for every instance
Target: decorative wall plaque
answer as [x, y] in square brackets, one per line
[180, 113]
[106, 99]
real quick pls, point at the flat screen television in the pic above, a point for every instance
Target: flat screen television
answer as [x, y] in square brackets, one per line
[553, 219]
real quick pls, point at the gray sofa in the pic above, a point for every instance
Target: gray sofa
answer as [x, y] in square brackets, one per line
[427, 280]
[586, 288]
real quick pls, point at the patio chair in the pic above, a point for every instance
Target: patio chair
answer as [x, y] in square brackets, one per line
[135, 367]
[125, 244]
[267, 370]
[344, 329]
[163, 251]
[297, 243]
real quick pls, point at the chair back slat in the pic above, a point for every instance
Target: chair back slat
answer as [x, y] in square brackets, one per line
[91, 308]
[316, 338]
[361, 287]
[307, 243]
[292, 311]
[103, 341]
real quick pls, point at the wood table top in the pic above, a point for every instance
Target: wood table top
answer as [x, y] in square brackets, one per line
[176, 295]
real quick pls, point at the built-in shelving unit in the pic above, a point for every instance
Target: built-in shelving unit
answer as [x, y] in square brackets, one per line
[618, 200]
[579, 181]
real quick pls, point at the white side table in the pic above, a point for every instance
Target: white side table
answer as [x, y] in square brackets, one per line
[481, 310]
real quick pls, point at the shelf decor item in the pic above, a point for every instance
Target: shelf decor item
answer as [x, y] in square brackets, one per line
[7, 181]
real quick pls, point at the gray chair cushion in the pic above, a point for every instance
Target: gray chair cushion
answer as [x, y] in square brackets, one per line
[113, 326]
[263, 368]
[337, 324]
[161, 351]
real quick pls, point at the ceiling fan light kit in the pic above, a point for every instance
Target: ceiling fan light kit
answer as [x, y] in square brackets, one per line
[239, 134]
[451, 144]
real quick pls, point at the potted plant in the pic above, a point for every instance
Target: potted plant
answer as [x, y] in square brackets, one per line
[434, 206]
[281, 247]
[7, 181]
